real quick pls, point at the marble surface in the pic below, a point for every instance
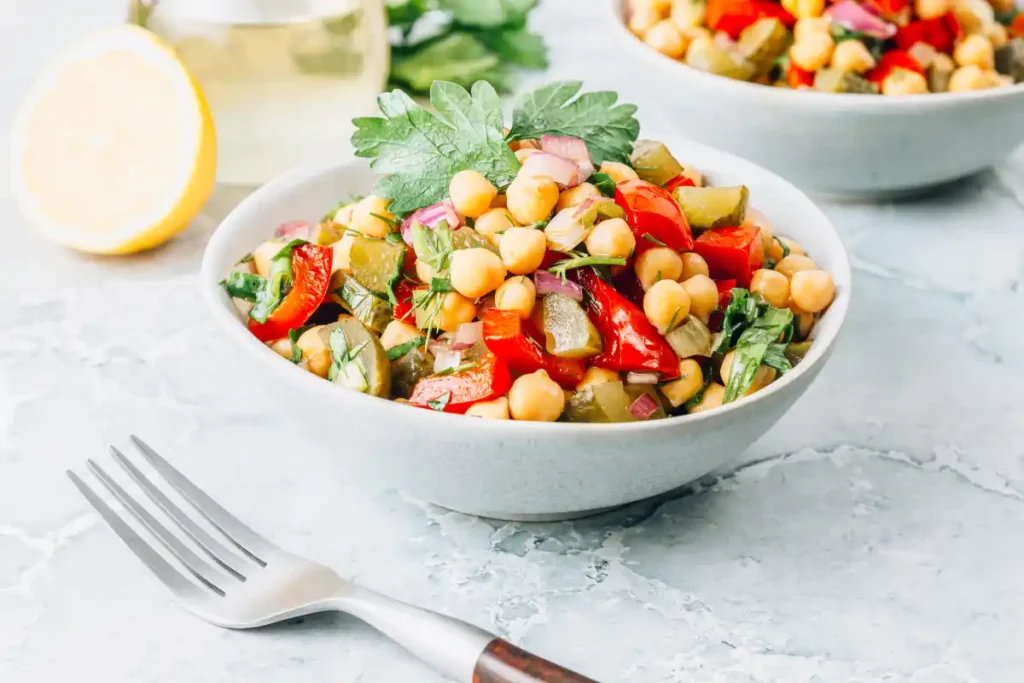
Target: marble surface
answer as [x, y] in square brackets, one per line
[874, 535]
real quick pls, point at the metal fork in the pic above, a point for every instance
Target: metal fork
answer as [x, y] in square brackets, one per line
[237, 579]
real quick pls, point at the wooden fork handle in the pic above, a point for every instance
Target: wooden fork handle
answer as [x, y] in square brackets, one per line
[503, 662]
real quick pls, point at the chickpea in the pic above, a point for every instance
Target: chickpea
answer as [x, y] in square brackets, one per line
[852, 56]
[807, 26]
[977, 50]
[666, 305]
[712, 398]
[931, 9]
[343, 216]
[341, 251]
[794, 263]
[703, 296]
[658, 263]
[686, 14]
[997, 34]
[772, 285]
[693, 264]
[691, 379]
[471, 193]
[575, 196]
[516, 294]
[642, 18]
[662, 7]
[762, 377]
[455, 310]
[793, 246]
[666, 39]
[813, 52]
[536, 397]
[595, 375]
[475, 272]
[804, 9]
[525, 153]
[493, 223]
[370, 217]
[315, 351]
[612, 238]
[618, 171]
[531, 198]
[972, 77]
[398, 332]
[491, 410]
[262, 255]
[812, 290]
[424, 271]
[282, 347]
[904, 82]
[523, 249]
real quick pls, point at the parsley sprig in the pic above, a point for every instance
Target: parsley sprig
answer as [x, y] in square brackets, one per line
[347, 368]
[560, 268]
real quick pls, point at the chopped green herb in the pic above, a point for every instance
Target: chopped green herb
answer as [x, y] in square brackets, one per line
[739, 314]
[561, 267]
[456, 370]
[609, 130]
[651, 238]
[246, 286]
[604, 184]
[675, 316]
[441, 285]
[433, 247]
[396, 352]
[293, 337]
[752, 347]
[394, 238]
[245, 259]
[280, 282]
[775, 357]
[785, 249]
[346, 367]
[441, 402]
[392, 223]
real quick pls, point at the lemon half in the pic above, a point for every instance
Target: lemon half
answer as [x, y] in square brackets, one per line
[113, 150]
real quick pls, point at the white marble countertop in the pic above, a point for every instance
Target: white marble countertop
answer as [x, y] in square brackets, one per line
[875, 536]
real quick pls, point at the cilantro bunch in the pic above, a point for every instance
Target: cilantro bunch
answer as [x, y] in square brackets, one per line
[461, 41]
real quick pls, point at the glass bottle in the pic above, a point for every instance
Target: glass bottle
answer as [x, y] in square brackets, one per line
[283, 78]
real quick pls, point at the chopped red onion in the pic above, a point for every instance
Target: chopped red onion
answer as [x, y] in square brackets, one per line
[436, 346]
[643, 407]
[447, 359]
[641, 378]
[573, 149]
[430, 216]
[549, 283]
[562, 171]
[467, 334]
[294, 230]
[853, 16]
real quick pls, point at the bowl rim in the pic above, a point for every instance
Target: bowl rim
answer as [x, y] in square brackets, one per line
[855, 103]
[227, 319]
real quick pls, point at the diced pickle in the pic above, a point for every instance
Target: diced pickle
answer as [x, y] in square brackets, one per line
[705, 55]
[939, 73]
[376, 264]
[796, 351]
[607, 402]
[713, 207]
[327, 232]
[409, 369]
[654, 163]
[692, 338]
[839, 81]
[368, 308]
[371, 359]
[567, 329]
[762, 42]
[1010, 59]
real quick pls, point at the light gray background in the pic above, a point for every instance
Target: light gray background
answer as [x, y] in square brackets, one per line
[878, 537]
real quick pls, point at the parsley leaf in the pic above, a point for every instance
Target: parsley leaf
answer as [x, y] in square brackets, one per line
[441, 402]
[404, 15]
[488, 12]
[604, 184]
[651, 238]
[244, 285]
[346, 367]
[396, 352]
[516, 45]
[775, 357]
[419, 152]
[434, 247]
[456, 369]
[753, 347]
[457, 57]
[739, 314]
[609, 130]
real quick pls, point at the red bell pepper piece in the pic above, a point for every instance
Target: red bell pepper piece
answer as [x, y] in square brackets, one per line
[894, 59]
[311, 275]
[653, 211]
[889, 9]
[678, 181]
[1016, 26]
[797, 77]
[941, 33]
[628, 285]
[403, 309]
[732, 252]
[551, 258]
[505, 336]
[732, 16]
[487, 380]
[631, 342]
[725, 288]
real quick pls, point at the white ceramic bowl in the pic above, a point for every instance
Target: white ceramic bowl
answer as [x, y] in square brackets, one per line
[516, 470]
[842, 145]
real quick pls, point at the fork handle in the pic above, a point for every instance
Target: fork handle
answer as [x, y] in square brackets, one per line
[503, 662]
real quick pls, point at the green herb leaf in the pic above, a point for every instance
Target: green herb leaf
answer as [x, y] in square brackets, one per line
[245, 259]
[752, 347]
[394, 238]
[604, 184]
[404, 15]
[516, 45]
[456, 370]
[441, 285]
[246, 286]
[739, 314]
[560, 267]
[419, 152]
[458, 57]
[441, 402]
[433, 247]
[785, 249]
[775, 357]
[346, 367]
[488, 12]
[293, 337]
[609, 130]
[651, 238]
[396, 352]
[280, 282]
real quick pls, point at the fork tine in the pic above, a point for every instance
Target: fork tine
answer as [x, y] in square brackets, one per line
[168, 575]
[197, 566]
[244, 538]
[211, 546]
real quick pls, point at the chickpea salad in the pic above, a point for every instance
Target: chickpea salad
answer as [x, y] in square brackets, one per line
[888, 47]
[559, 269]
